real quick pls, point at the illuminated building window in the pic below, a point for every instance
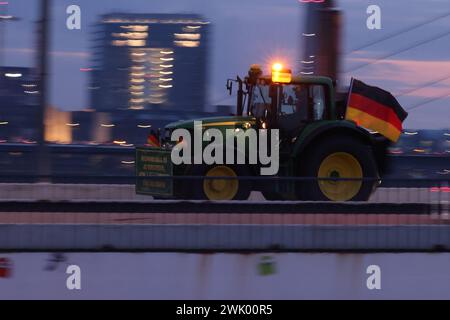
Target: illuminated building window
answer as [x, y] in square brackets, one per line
[136, 108]
[188, 36]
[120, 43]
[187, 44]
[129, 43]
[138, 54]
[152, 101]
[13, 75]
[147, 76]
[131, 35]
[156, 87]
[152, 21]
[134, 80]
[136, 28]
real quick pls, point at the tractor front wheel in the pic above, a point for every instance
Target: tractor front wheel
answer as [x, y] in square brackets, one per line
[220, 189]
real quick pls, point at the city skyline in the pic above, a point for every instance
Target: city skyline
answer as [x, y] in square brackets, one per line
[240, 40]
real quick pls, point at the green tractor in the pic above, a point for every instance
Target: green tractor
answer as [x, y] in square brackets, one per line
[335, 159]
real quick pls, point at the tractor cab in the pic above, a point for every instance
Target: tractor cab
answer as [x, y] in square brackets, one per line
[281, 101]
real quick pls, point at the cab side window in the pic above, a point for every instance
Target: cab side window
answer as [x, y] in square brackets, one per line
[294, 102]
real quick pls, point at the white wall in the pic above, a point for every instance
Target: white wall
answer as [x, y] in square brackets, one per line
[228, 276]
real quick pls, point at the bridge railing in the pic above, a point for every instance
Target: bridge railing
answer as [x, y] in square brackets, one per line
[119, 161]
[69, 187]
[80, 216]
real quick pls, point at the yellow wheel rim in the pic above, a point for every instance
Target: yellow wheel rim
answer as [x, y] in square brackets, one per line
[220, 189]
[340, 165]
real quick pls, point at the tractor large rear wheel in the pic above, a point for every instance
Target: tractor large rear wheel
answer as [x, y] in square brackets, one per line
[338, 158]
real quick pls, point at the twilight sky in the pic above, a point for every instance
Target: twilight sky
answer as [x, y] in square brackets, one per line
[258, 31]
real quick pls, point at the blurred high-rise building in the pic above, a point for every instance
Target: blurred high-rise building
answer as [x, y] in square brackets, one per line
[145, 61]
[19, 105]
[320, 40]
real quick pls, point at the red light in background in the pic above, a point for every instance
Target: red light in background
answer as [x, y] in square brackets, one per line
[312, 1]
[5, 268]
[440, 189]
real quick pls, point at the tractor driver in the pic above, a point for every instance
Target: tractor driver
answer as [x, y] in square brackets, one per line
[294, 109]
[260, 102]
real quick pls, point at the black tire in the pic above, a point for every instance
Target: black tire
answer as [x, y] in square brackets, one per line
[197, 192]
[314, 157]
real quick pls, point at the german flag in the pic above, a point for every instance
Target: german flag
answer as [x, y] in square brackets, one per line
[153, 140]
[375, 109]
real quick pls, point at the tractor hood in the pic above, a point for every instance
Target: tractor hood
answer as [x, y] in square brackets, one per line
[215, 122]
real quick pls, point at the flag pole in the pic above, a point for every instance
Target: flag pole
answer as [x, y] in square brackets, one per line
[349, 95]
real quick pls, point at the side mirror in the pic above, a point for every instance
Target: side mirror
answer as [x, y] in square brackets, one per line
[230, 86]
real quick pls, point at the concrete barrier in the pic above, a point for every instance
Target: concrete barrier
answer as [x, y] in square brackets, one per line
[225, 276]
[25, 237]
[117, 193]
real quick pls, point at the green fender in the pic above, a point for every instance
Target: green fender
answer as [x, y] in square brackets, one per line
[326, 129]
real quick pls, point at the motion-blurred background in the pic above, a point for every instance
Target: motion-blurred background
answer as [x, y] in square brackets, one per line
[137, 65]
